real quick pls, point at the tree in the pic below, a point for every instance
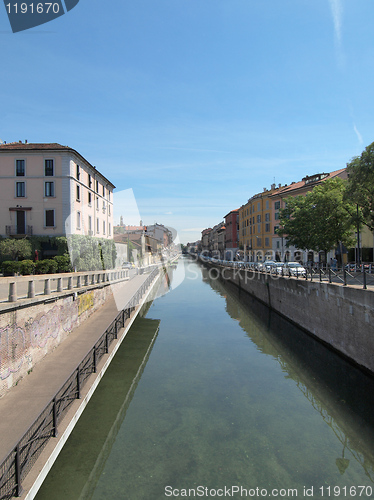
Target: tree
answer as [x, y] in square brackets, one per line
[15, 248]
[360, 188]
[320, 220]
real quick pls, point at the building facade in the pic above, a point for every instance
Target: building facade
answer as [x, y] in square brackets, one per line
[232, 234]
[51, 190]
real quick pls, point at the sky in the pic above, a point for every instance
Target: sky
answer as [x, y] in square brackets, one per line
[195, 105]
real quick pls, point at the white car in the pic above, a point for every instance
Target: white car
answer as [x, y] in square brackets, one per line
[294, 269]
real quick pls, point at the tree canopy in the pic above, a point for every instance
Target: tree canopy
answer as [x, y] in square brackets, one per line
[15, 248]
[320, 220]
[360, 188]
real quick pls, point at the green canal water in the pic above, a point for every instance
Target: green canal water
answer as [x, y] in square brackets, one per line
[212, 393]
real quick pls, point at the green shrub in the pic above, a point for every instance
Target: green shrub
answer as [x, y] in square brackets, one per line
[11, 267]
[46, 266]
[53, 266]
[63, 263]
[27, 267]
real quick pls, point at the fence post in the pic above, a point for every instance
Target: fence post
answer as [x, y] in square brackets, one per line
[330, 279]
[70, 283]
[106, 343]
[345, 276]
[364, 276]
[12, 292]
[47, 287]
[320, 274]
[78, 384]
[78, 281]
[17, 465]
[31, 291]
[59, 284]
[54, 418]
[94, 359]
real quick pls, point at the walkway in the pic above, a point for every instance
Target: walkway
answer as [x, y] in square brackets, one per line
[20, 407]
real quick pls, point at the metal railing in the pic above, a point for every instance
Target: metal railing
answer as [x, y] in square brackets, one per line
[362, 276]
[18, 230]
[21, 459]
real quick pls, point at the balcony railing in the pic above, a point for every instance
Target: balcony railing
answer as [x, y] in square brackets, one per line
[18, 230]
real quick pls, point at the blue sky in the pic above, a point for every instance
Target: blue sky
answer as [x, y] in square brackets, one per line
[195, 105]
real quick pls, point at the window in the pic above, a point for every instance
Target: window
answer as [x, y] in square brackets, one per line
[89, 199]
[89, 181]
[278, 245]
[78, 172]
[20, 189]
[276, 216]
[276, 229]
[89, 224]
[267, 204]
[97, 186]
[103, 226]
[258, 218]
[267, 217]
[78, 193]
[258, 242]
[259, 228]
[109, 229]
[277, 205]
[267, 242]
[49, 189]
[258, 206]
[20, 168]
[97, 204]
[78, 220]
[97, 225]
[104, 206]
[49, 218]
[267, 227]
[48, 168]
[103, 190]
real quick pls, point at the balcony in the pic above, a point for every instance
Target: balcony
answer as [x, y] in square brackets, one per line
[19, 231]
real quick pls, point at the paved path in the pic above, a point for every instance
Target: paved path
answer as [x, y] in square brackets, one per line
[22, 404]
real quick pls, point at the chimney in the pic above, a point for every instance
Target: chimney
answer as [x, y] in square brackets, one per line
[25, 141]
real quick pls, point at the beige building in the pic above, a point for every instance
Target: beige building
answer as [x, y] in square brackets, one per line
[51, 190]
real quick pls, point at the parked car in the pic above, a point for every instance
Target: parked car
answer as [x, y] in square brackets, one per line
[278, 268]
[294, 269]
[127, 265]
[269, 264]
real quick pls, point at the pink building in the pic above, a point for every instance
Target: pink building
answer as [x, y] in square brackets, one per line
[51, 190]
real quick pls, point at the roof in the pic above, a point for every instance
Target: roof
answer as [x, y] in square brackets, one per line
[306, 181]
[231, 212]
[54, 146]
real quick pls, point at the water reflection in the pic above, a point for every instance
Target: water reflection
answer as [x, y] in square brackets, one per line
[83, 458]
[337, 390]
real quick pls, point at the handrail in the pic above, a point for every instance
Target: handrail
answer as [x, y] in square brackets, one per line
[21, 459]
[340, 276]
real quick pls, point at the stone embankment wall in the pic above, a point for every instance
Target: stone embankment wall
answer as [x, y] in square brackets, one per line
[340, 316]
[28, 331]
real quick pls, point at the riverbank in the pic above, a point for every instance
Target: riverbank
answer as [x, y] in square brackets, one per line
[341, 317]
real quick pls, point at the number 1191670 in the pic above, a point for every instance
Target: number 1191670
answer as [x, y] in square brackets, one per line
[31, 8]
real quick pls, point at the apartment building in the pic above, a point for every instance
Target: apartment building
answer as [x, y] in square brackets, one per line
[278, 200]
[51, 190]
[256, 226]
[231, 234]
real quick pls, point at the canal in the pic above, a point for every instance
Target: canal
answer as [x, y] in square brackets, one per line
[212, 392]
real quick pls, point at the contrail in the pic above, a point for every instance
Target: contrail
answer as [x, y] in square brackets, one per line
[336, 10]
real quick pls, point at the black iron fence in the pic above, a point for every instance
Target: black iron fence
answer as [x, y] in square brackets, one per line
[362, 276]
[21, 459]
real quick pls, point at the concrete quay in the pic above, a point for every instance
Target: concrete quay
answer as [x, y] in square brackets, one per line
[23, 403]
[340, 316]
